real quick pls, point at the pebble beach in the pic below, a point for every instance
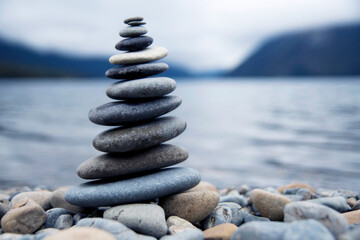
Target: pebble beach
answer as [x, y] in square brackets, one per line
[293, 211]
[134, 191]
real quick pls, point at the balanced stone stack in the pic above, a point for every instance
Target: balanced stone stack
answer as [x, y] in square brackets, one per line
[133, 168]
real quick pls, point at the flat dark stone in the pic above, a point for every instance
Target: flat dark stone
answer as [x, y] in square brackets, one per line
[133, 31]
[132, 19]
[141, 88]
[140, 188]
[136, 23]
[114, 165]
[125, 112]
[130, 138]
[134, 44]
[136, 71]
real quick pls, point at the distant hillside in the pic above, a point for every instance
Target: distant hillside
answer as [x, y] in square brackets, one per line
[20, 61]
[327, 52]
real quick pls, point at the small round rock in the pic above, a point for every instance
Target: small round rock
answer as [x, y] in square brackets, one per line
[133, 31]
[191, 206]
[126, 112]
[134, 44]
[133, 19]
[125, 139]
[136, 71]
[141, 88]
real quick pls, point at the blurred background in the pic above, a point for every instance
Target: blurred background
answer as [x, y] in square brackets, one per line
[270, 89]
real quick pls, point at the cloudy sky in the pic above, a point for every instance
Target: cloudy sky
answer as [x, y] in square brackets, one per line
[202, 34]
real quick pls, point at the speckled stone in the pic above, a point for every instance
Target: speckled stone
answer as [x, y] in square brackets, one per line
[125, 112]
[133, 31]
[139, 188]
[141, 88]
[352, 217]
[40, 197]
[136, 23]
[25, 217]
[134, 44]
[136, 71]
[269, 205]
[125, 139]
[133, 19]
[148, 219]
[191, 206]
[142, 56]
[113, 165]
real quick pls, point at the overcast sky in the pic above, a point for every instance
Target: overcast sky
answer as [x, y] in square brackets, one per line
[200, 34]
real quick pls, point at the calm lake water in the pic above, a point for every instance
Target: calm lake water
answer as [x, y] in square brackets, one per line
[240, 131]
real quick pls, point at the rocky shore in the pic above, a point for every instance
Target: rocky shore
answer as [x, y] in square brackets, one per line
[294, 211]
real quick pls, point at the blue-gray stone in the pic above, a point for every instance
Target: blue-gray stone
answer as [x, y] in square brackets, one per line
[134, 44]
[352, 234]
[114, 165]
[303, 210]
[133, 31]
[130, 138]
[64, 221]
[136, 71]
[53, 214]
[307, 230]
[4, 208]
[189, 234]
[241, 200]
[148, 219]
[133, 19]
[220, 215]
[141, 88]
[126, 112]
[337, 203]
[260, 231]
[137, 189]
[251, 218]
[119, 230]
[291, 191]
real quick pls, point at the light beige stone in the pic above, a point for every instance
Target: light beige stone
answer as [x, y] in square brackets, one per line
[177, 225]
[143, 56]
[220, 232]
[81, 233]
[24, 218]
[203, 186]
[269, 205]
[40, 197]
[352, 217]
[191, 206]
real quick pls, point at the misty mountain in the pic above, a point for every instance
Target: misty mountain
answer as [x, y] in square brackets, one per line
[20, 61]
[322, 52]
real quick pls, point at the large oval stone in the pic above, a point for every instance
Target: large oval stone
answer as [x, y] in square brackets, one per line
[113, 165]
[133, 31]
[134, 44]
[136, 189]
[141, 88]
[129, 138]
[124, 112]
[143, 56]
[136, 71]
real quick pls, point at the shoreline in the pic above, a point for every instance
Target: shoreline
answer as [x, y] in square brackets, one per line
[203, 212]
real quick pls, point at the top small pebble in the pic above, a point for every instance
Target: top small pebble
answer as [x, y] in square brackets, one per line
[132, 19]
